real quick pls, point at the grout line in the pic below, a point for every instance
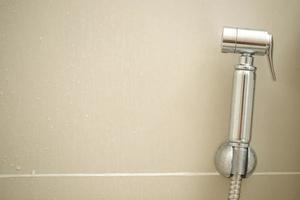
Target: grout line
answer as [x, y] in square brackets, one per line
[146, 174]
[275, 173]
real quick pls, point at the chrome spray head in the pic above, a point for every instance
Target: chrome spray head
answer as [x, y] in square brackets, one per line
[248, 42]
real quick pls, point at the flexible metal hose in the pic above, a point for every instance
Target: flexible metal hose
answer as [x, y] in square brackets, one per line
[235, 187]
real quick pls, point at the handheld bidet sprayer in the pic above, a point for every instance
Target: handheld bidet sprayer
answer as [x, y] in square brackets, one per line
[235, 158]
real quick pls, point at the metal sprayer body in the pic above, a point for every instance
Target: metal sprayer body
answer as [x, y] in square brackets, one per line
[235, 158]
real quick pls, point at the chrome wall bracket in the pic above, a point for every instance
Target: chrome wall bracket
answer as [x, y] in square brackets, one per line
[225, 164]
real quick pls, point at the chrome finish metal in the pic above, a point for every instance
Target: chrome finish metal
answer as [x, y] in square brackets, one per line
[242, 101]
[223, 159]
[248, 41]
[270, 57]
[228, 164]
[235, 187]
[235, 158]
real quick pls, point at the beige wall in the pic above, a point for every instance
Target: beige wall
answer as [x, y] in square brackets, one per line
[140, 87]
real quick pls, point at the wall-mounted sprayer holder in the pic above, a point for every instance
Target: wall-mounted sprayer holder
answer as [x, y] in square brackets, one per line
[235, 158]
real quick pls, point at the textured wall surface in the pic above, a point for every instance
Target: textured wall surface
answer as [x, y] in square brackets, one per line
[94, 93]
